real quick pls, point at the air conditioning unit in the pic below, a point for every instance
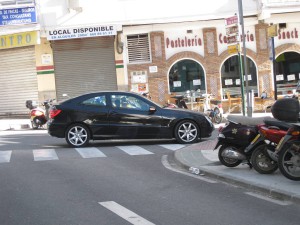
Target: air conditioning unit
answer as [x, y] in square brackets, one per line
[75, 5]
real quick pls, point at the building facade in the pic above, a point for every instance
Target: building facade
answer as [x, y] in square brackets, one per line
[75, 46]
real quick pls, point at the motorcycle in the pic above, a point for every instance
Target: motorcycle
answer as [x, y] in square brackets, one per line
[212, 108]
[180, 102]
[263, 157]
[288, 149]
[234, 138]
[39, 116]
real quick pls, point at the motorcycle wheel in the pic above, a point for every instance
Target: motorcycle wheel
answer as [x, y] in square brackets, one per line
[34, 125]
[228, 161]
[262, 162]
[218, 118]
[289, 160]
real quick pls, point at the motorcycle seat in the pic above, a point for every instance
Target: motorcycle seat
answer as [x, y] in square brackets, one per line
[245, 120]
[277, 123]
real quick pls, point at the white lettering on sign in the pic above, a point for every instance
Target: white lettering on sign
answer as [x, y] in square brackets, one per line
[179, 41]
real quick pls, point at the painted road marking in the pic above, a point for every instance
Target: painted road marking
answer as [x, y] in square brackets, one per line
[134, 150]
[126, 214]
[91, 152]
[278, 202]
[44, 154]
[172, 147]
[5, 156]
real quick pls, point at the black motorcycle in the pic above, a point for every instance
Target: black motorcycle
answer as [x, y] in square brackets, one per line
[234, 138]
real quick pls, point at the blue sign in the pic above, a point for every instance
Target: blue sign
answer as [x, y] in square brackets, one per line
[17, 16]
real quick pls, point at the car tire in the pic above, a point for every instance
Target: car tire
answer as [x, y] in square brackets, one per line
[77, 135]
[187, 132]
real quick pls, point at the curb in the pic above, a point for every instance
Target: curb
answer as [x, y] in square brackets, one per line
[275, 193]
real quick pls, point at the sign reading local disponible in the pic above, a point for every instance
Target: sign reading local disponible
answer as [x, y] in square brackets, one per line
[81, 32]
[17, 16]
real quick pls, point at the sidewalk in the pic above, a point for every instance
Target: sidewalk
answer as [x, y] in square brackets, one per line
[201, 158]
[14, 124]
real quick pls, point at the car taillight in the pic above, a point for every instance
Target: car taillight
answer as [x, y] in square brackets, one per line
[54, 112]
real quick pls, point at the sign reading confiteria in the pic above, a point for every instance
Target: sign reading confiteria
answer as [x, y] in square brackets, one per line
[81, 32]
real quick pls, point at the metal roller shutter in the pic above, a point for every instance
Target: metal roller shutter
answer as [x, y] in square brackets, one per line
[18, 80]
[84, 65]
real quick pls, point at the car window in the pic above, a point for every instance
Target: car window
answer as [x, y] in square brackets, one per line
[95, 101]
[129, 102]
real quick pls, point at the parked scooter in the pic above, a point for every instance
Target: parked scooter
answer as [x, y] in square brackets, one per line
[38, 116]
[235, 137]
[212, 108]
[180, 102]
[263, 157]
[288, 149]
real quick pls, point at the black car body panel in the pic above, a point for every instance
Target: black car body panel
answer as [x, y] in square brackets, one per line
[149, 120]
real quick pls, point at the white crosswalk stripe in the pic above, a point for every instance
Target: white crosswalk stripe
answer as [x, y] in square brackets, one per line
[90, 152]
[172, 147]
[134, 150]
[5, 156]
[44, 154]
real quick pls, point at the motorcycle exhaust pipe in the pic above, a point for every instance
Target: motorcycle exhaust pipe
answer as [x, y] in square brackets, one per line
[233, 154]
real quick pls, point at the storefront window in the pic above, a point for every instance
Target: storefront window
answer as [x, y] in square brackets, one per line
[230, 77]
[287, 70]
[186, 75]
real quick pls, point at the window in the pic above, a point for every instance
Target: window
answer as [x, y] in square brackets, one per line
[95, 101]
[186, 75]
[128, 102]
[230, 77]
[138, 48]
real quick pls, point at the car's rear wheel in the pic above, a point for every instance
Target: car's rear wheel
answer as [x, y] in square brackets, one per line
[186, 132]
[77, 135]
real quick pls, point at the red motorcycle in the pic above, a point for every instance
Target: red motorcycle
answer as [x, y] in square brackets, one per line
[263, 158]
[38, 116]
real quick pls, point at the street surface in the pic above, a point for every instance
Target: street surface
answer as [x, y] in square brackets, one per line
[43, 181]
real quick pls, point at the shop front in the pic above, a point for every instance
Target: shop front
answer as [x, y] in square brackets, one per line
[18, 76]
[84, 60]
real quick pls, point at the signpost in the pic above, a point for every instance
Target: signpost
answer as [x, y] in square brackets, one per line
[272, 32]
[232, 32]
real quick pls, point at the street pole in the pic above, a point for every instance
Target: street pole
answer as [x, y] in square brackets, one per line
[241, 20]
[274, 68]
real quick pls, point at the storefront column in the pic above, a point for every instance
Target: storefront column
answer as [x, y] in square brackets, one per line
[265, 78]
[212, 62]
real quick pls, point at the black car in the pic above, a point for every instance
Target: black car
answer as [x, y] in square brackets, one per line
[123, 115]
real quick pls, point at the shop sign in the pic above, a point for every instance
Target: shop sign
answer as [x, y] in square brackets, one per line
[223, 40]
[81, 32]
[17, 16]
[179, 41]
[19, 40]
[290, 34]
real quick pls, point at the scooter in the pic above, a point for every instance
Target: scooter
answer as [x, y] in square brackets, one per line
[38, 116]
[288, 149]
[180, 102]
[263, 157]
[234, 138]
[213, 108]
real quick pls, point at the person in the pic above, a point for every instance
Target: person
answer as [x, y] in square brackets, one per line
[264, 95]
[146, 95]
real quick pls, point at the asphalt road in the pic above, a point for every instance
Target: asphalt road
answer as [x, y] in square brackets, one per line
[121, 182]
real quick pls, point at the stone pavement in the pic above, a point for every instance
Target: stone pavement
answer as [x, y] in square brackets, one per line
[201, 158]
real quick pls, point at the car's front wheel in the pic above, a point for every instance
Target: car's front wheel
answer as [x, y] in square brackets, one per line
[77, 135]
[186, 132]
